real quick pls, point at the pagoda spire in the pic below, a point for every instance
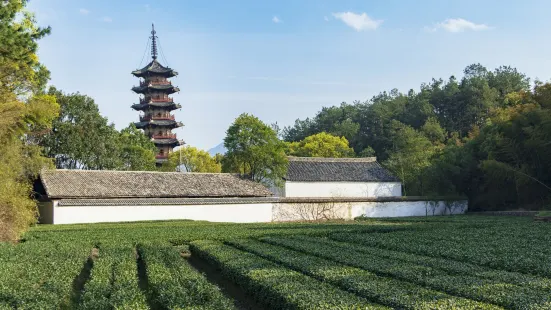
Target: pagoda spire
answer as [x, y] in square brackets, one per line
[153, 42]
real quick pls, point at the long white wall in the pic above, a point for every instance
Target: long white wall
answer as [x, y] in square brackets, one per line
[235, 213]
[342, 189]
[285, 210]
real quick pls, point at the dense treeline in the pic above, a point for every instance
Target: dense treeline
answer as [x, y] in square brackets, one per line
[486, 136]
[81, 138]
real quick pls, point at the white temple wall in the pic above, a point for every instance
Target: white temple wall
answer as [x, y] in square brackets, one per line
[284, 210]
[342, 189]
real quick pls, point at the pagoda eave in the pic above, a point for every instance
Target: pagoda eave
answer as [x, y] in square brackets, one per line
[145, 106]
[140, 74]
[167, 89]
[169, 142]
[157, 123]
[154, 68]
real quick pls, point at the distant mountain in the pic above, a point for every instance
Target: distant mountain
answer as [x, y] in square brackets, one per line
[217, 149]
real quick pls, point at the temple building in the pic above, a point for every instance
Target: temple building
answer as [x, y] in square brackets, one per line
[156, 104]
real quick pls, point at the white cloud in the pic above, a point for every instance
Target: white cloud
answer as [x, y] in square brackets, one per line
[107, 19]
[325, 18]
[458, 25]
[359, 22]
[84, 11]
[276, 20]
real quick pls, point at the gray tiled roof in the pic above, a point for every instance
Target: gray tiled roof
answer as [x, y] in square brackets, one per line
[156, 122]
[143, 184]
[144, 106]
[163, 201]
[166, 141]
[317, 169]
[154, 67]
[167, 89]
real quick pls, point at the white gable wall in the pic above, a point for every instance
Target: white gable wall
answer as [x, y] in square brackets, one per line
[342, 189]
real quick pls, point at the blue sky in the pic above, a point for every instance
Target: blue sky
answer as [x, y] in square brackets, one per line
[282, 59]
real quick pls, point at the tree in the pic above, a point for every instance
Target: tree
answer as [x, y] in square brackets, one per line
[137, 151]
[192, 159]
[26, 115]
[321, 145]
[83, 139]
[410, 157]
[432, 130]
[254, 151]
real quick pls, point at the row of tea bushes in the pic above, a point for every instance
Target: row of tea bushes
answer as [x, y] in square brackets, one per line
[273, 285]
[468, 286]
[34, 276]
[383, 290]
[502, 246]
[346, 241]
[174, 284]
[113, 282]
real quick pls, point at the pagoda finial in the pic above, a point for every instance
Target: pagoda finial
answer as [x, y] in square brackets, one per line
[153, 42]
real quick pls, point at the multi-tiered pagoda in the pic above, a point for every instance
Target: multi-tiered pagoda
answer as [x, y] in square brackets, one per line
[156, 104]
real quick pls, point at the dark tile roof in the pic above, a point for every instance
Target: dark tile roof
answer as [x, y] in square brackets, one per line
[163, 201]
[317, 169]
[156, 122]
[144, 106]
[143, 184]
[154, 67]
[166, 141]
[167, 89]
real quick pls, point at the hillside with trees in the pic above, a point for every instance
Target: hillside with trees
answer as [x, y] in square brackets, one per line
[486, 136]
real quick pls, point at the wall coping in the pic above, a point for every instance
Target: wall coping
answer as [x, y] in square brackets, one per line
[227, 201]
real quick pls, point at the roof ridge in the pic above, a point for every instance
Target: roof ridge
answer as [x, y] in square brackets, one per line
[136, 171]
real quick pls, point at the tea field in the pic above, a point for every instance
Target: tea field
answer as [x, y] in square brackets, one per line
[457, 262]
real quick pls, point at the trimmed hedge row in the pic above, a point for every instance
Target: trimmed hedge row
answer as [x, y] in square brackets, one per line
[113, 282]
[347, 242]
[469, 286]
[387, 291]
[40, 276]
[275, 286]
[174, 284]
[515, 246]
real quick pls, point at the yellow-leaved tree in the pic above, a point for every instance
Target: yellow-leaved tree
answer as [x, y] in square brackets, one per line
[27, 113]
[321, 145]
[192, 159]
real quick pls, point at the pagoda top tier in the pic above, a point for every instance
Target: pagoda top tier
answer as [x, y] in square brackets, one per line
[154, 68]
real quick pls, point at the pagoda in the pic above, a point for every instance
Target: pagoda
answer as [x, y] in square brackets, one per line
[156, 104]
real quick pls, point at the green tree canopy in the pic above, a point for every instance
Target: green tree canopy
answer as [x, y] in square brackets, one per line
[83, 139]
[321, 145]
[254, 151]
[192, 159]
[137, 151]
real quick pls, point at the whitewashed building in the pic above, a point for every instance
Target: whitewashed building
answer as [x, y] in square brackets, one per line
[339, 177]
